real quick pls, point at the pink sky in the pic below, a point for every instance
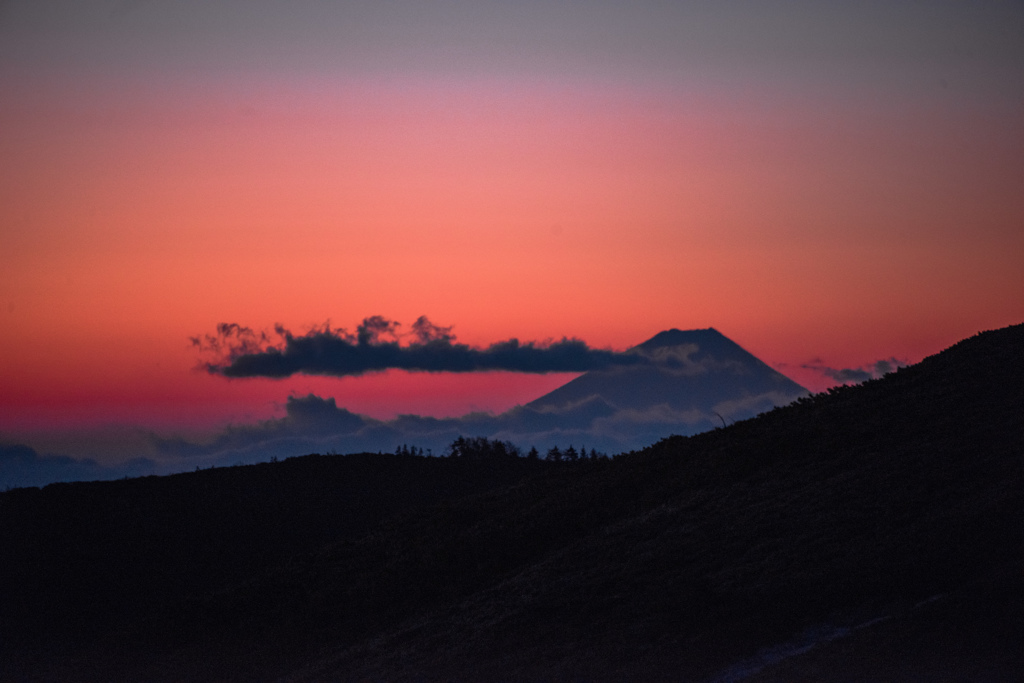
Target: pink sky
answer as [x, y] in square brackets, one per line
[811, 222]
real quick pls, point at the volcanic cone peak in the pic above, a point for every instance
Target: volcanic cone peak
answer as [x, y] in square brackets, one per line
[695, 351]
[691, 370]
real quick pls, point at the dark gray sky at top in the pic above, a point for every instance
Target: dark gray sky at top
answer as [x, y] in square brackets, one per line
[903, 44]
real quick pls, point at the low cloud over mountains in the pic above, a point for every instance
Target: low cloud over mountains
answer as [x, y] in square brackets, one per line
[316, 424]
[21, 465]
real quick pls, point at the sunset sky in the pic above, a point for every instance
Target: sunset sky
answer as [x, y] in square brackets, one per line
[827, 184]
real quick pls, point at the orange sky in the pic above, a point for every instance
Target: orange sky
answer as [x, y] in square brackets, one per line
[808, 223]
[799, 228]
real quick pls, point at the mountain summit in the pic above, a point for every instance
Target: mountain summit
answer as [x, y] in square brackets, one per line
[697, 375]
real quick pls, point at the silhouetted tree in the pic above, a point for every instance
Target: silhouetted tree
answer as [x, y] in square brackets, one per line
[457, 448]
[554, 454]
[571, 454]
[533, 454]
[481, 447]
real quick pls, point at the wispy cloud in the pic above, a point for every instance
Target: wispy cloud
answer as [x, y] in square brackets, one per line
[874, 370]
[377, 344]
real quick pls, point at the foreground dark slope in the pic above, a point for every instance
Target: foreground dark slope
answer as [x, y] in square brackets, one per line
[81, 562]
[675, 563]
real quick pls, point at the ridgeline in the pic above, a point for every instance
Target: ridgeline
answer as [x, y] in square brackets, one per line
[874, 532]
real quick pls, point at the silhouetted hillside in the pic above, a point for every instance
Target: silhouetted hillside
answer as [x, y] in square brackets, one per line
[82, 558]
[883, 522]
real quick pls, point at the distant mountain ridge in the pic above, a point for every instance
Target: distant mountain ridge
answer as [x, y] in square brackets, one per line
[690, 381]
[697, 373]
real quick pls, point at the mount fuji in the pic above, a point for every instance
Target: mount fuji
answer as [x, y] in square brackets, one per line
[700, 375]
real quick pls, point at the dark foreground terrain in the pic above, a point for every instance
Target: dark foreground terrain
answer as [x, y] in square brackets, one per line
[872, 533]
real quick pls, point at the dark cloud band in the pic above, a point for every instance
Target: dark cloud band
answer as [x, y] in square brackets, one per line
[240, 352]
